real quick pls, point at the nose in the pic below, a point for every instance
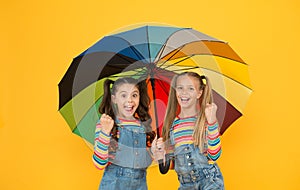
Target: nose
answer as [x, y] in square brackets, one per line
[129, 99]
[184, 91]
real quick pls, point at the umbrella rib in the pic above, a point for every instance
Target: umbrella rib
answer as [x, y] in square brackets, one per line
[173, 64]
[167, 39]
[171, 56]
[161, 50]
[113, 66]
[168, 74]
[228, 77]
[143, 71]
[115, 76]
[217, 41]
[226, 58]
[206, 69]
[222, 75]
[213, 55]
[131, 47]
[116, 66]
[143, 75]
[138, 73]
[142, 68]
[124, 57]
[161, 84]
[185, 69]
[147, 33]
[137, 52]
[86, 114]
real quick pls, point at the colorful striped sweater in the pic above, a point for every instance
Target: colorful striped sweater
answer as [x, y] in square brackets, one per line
[183, 134]
[102, 141]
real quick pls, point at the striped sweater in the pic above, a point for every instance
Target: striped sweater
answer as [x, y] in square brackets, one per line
[100, 156]
[183, 134]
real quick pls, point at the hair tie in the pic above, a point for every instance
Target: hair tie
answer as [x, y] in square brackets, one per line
[111, 83]
[202, 78]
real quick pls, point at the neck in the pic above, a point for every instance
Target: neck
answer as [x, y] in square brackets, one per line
[126, 118]
[187, 112]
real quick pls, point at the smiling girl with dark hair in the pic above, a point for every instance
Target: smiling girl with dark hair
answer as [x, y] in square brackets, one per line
[121, 135]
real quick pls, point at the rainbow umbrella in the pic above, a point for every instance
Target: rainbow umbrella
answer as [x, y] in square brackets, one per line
[154, 54]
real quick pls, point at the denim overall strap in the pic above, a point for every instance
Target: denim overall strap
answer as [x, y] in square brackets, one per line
[132, 152]
[194, 171]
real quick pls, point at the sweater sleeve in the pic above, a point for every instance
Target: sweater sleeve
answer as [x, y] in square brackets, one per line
[213, 141]
[102, 140]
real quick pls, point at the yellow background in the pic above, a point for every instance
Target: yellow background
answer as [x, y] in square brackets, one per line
[40, 38]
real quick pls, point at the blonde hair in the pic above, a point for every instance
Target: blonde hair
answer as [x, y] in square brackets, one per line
[173, 109]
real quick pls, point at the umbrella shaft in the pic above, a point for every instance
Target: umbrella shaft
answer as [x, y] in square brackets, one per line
[155, 112]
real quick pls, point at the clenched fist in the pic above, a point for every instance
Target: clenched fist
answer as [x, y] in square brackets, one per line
[158, 149]
[106, 123]
[211, 112]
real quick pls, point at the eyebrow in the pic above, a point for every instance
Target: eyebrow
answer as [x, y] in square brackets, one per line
[185, 85]
[136, 91]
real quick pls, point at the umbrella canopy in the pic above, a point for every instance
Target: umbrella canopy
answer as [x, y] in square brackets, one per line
[156, 54]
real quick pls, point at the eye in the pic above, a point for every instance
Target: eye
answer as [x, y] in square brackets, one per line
[179, 88]
[135, 95]
[192, 89]
[123, 95]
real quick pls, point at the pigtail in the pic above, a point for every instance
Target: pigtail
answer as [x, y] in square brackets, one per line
[143, 108]
[171, 111]
[207, 91]
[206, 97]
[106, 104]
[107, 108]
[143, 112]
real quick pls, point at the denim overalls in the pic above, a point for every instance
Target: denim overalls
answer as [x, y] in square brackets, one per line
[193, 170]
[128, 168]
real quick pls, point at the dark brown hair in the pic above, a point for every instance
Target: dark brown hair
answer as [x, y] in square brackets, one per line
[141, 113]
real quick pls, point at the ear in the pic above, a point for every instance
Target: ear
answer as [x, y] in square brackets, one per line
[113, 99]
[199, 94]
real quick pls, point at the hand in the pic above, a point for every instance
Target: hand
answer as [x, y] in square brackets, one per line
[106, 123]
[211, 112]
[158, 149]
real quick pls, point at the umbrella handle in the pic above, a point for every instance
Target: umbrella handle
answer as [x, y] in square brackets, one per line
[164, 166]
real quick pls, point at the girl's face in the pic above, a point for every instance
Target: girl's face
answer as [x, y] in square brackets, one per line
[127, 99]
[188, 91]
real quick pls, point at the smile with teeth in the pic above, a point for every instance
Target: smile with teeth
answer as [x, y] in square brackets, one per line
[128, 108]
[184, 99]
